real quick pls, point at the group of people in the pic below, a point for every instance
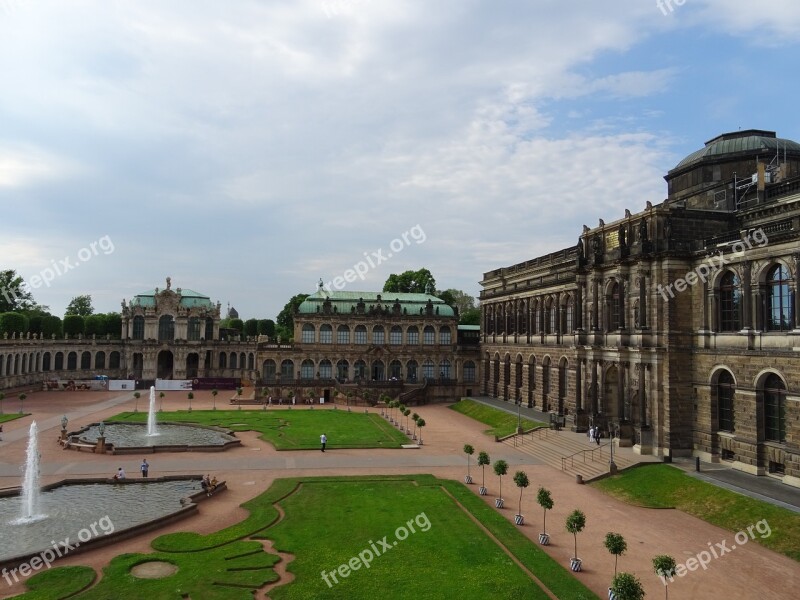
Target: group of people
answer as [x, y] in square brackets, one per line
[208, 484]
[594, 434]
[144, 468]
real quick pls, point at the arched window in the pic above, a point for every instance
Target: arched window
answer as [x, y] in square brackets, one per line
[730, 301]
[113, 360]
[378, 370]
[361, 334]
[429, 335]
[325, 369]
[222, 361]
[251, 361]
[59, 362]
[613, 307]
[209, 333]
[779, 300]
[411, 370]
[138, 327]
[551, 317]
[270, 369]
[325, 334]
[166, 328]
[193, 329]
[725, 390]
[72, 362]
[469, 372]
[774, 409]
[360, 367]
[412, 336]
[307, 369]
[444, 369]
[568, 316]
[342, 370]
[45, 362]
[343, 334]
[428, 369]
[396, 335]
[287, 370]
[378, 335]
[444, 335]
[307, 334]
[395, 370]
[86, 360]
[234, 361]
[100, 360]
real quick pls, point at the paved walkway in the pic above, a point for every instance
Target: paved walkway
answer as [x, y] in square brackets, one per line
[750, 571]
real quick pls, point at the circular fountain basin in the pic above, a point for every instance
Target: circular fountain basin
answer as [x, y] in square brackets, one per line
[79, 514]
[130, 438]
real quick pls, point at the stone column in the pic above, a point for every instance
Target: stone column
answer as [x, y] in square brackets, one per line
[595, 303]
[642, 300]
[578, 310]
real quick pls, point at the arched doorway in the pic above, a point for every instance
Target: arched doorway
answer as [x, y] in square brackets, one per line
[165, 364]
[192, 365]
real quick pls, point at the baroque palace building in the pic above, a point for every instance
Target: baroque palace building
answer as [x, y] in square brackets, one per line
[408, 344]
[676, 327]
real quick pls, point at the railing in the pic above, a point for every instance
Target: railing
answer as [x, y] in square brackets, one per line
[571, 457]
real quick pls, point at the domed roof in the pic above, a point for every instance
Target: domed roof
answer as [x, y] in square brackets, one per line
[750, 141]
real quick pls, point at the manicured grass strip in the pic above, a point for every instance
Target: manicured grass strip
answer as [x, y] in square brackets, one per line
[501, 422]
[296, 429]
[328, 524]
[12, 416]
[58, 583]
[663, 486]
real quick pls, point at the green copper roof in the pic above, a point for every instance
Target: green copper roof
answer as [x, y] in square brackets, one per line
[750, 141]
[347, 302]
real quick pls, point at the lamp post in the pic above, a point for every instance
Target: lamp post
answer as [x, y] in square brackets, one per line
[519, 416]
[612, 466]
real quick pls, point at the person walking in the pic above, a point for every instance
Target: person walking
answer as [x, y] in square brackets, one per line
[144, 468]
[323, 440]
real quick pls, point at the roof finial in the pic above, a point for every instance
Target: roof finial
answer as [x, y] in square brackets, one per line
[320, 285]
[169, 282]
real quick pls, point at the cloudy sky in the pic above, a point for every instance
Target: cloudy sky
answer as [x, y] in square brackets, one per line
[249, 148]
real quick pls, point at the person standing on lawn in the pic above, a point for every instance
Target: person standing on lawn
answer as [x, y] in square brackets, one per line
[323, 439]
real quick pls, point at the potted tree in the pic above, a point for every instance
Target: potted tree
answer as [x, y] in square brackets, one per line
[407, 412]
[500, 469]
[545, 500]
[625, 587]
[420, 424]
[483, 460]
[617, 546]
[576, 521]
[214, 393]
[136, 395]
[414, 419]
[161, 404]
[469, 451]
[290, 395]
[664, 566]
[521, 479]
[190, 395]
[401, 408]
[21, 400]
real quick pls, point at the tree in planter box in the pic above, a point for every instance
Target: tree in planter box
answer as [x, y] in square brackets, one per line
[414, 419]
[420, 424]
[190, 395]
[21, 400]
[626, 587]
[469, 451]
[521, 479]
[545, 500]
[483, 460]
[500, 469]
[664, 566]
[214, 393]
[576, 521]
[136, 395]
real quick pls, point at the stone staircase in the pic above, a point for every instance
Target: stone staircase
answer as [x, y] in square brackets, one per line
[572, 453]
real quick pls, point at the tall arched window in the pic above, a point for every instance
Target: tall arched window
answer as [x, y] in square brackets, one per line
[774, 409]
[138, 327]
[287, 370]
[725, 391]
[428, 369]
[730, 302]
[412, 336]
[444, 335]
[325, 369]
[269, 370]
[361, 334]
[325, 334]
[307, 369]
[343, 334]
[378, 335]
[469, 372]
[613, 308]
[166, 328]
[428, 335]
[307, 334]
[396, 335]
[779, 300]
[193, 329]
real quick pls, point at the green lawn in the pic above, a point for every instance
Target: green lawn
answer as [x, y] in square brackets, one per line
[294, 429]
[664, 486]
[501, 422]
[330, 522]
[12, 416]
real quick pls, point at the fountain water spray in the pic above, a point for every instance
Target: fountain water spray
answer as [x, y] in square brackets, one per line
[30, 482]
[151, 415]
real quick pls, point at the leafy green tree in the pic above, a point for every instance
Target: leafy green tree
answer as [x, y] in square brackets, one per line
[266, 327]
[664, 566]
[21, 400]
[251, 327]
[51, 326]
[616, 545]
[80, 305]
[13, 322]
[483, 460]
[545, 500]
[15, 294]
[74, 325]
[95, 325]
[285, 320]
[469, 451]
[415, 282]
[576, 521]
[522, 481]
[420, 425]
[627, 587]
[35, 322]
[457, 299]
[470, 317]
[500, 469]
[237, 324]
[113, 323]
